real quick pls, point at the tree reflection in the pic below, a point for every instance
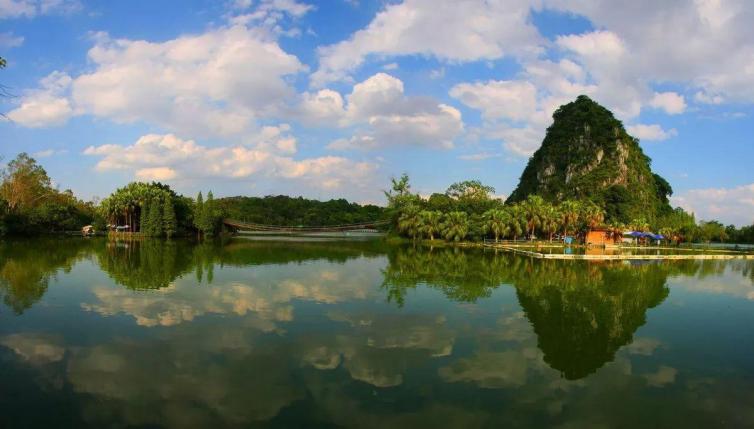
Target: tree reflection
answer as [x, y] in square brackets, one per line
[463, 275]
[26, 268]
[582, 313]
[145, 264]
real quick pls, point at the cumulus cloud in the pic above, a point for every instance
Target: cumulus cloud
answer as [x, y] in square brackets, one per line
[671, 102]
[730, 205]
[710, 46]
[48, 105]
[168, 157]
[32, 8]
[518, 111]
[380, 114]
[471, 30]
[651, 132]
[208, 85]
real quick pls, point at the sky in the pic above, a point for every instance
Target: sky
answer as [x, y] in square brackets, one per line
[330, 99]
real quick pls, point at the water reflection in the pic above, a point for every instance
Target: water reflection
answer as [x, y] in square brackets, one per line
[172, 334]
[26, 268]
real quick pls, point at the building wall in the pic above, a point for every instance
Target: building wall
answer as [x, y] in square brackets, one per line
[597, 238]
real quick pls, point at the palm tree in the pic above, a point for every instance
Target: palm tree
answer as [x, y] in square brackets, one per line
[497, 221]
[570, 212]
[430, 221]
[592, 215]
[409, 221]
[456, 226]
[515, 220]
[551, 219]
[532, 209]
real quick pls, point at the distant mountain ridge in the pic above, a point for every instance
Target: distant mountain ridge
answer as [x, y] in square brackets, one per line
[587, 154]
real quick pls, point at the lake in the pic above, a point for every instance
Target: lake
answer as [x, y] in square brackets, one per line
[274, 333]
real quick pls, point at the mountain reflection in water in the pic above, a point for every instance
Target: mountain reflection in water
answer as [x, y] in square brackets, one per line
[365, 334]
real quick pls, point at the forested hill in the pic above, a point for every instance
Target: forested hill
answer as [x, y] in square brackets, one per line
[289, 211]
[587, 154]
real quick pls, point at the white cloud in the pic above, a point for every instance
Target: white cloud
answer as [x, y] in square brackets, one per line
[214, 84]
[48, 105]
[703, 97]
[651, 132]
[32, 8]
[706, 44]
[9, 40]
[167, 157]
[451, 30]
[603, 45]
[729, 205]
[270, 15]
[515, 100]
[518, 111]
[381, 114]
[671, 102]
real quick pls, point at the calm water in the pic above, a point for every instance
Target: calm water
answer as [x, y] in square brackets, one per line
[361, 334]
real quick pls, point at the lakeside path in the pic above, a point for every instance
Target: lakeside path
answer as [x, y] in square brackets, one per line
[616, 257]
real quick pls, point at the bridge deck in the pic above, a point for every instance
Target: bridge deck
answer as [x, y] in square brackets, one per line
[355, 227]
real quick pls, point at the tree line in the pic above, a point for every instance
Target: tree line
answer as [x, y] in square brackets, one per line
[30, 204]
[469, 211]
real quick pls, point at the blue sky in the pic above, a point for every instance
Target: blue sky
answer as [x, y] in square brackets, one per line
[332, 98]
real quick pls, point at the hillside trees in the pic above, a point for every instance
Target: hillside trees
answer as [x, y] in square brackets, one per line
[29, 204]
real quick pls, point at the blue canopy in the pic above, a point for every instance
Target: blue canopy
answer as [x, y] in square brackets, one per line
[639, 234]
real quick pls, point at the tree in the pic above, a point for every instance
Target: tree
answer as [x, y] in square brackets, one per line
[209, 216]
[472, 196]
[155, 218]
[592, 215]
[169, 222]
[409, 222]
[145, 226]
[24, 183]
[516, 220]
[430, 223]
[199, 213]
[456, 226]
[551, 218]
[497, 222]
[532, 210]
[570, 213]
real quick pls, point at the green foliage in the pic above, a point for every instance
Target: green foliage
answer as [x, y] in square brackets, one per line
[199, 212]
[456, 226]
[29, 204]
[155, 218]
[130, 205]
[3, 63]
[712, 231]
[410, 222]
[169, 221]
[26, 268]
[430, 223]
[289, 211]
[587, 155]
[497, 222]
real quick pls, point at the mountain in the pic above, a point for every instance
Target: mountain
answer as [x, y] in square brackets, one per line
[587, 154]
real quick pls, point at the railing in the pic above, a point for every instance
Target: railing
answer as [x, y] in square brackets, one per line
[354, 227]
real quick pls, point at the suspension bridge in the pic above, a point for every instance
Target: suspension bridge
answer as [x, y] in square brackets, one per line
[345, 229]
